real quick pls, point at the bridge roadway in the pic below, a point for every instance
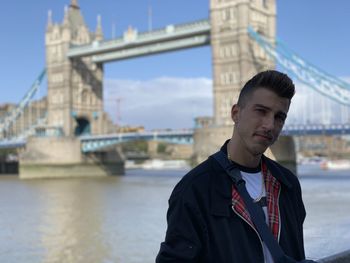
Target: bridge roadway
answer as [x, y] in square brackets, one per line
[91, 143]
[316, 129]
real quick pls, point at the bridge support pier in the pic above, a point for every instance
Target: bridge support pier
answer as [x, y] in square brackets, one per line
[152, 147]
[283, 151]
[208, 140]
[59, 157]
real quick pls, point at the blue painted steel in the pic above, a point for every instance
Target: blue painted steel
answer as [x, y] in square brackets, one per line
[11, 144]
[13, 115]
[98, 142]
[95, 143]
[316, 129]
[322, 82]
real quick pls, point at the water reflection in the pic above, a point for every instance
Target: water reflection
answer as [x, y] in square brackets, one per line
[114, 219]
[72, 223]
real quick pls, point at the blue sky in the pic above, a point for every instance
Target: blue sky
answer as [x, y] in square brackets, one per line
[318, 30]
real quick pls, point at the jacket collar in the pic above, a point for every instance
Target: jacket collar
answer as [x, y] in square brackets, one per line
[221, 186]
[272, 166]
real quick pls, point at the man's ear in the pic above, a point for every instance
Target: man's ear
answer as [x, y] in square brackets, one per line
[234, 112]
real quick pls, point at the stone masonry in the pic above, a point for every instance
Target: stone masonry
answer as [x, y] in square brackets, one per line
[235, 59]
[74, 86]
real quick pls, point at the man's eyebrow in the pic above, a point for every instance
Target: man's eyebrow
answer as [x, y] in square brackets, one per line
[261, 105]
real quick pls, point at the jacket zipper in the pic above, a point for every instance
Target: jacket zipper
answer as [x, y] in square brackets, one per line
[261, 242]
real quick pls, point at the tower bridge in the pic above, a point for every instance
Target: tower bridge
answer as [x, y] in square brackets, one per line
[242, 37]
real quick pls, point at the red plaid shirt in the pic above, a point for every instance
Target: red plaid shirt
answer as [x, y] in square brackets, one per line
[272, 187]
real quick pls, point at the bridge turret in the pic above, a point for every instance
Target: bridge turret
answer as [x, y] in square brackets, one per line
[65, 21]
[49, 19]
[74, 4]
[98, 32]
[64, 28]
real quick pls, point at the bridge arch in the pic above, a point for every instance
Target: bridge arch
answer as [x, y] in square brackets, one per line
[83, 126]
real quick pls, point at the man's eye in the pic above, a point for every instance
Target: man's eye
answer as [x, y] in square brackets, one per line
[261, 110]
[281, 119]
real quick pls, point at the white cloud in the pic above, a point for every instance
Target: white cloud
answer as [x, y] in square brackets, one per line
[174, 103]
[159, 103]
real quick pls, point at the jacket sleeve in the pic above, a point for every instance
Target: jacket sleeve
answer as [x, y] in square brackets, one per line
[182, 242]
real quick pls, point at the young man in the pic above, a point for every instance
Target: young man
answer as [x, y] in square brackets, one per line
[207, 218]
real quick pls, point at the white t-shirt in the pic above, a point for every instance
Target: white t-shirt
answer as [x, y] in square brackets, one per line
[255, 185]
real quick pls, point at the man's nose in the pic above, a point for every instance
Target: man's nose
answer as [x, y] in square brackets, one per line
[269, 122]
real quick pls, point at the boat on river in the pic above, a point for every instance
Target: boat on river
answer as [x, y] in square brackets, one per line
[165, 164]
[157, 164]
[342, 164]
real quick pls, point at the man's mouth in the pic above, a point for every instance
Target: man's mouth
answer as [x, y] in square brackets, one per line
[264, 136]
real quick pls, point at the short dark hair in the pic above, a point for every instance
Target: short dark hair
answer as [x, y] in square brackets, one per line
[273, 80]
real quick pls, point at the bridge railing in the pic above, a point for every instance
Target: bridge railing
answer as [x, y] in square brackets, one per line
[92, 143]
[16, 120]
[315, 78]
[316, 129]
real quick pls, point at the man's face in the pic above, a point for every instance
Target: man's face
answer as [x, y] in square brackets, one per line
[259, 121]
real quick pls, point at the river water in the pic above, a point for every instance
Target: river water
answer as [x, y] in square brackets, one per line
[123, 219]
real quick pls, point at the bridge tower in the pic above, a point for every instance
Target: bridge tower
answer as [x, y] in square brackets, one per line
[75, 100]
[235, 59]
[75, 107]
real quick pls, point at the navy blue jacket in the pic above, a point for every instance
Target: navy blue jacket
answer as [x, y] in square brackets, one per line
[202, 226]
